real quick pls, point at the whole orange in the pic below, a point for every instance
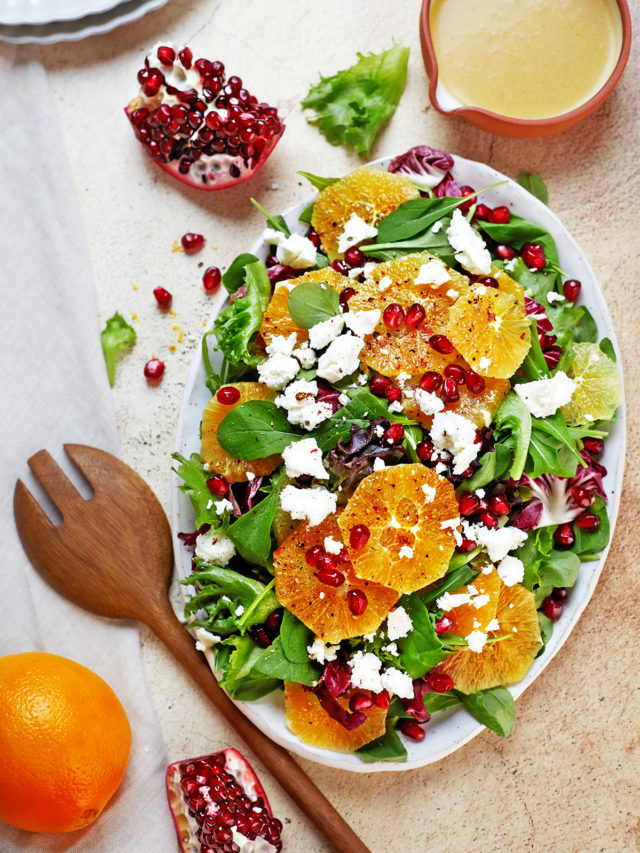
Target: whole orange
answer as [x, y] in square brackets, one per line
[64, 743]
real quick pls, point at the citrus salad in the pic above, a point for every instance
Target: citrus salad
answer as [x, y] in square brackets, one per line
[398, 476]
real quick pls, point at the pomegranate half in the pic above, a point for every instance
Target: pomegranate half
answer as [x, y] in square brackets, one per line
[205, 129]
[219, 806]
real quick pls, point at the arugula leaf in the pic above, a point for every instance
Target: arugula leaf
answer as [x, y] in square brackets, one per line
[519, 231]
[251, 533]
[233, 278]
[533, 182]
[494, 708]
[239, 679]
[278, 222]
[388, 747]
[534, 364]
[195, 487]
[318, 182]
[219, 593]
[351, 106]
[513, 416]
[116, 334]
[312, 302]
[236, 326]
[421, 649]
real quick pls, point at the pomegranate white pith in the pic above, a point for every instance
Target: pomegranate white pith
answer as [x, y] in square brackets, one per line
[205, 129]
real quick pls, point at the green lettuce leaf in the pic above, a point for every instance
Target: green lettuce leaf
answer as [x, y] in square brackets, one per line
[116, 334]
[236, 326]
[194, 485]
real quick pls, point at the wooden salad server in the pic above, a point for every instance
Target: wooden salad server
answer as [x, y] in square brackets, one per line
[112, 555]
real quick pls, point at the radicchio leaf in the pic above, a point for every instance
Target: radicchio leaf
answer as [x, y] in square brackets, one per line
[415, 707]
[350, 720]
[336, 677]
[448, 187]
[551, 499]
[424, 165]
[536, 310]
[189, 539]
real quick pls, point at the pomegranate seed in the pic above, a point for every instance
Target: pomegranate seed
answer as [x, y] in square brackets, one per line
[415, 316]
[482, 212]
[504, 252]
[466, 546]
[588, 521]
[412, 729]
[191, 242]
[393, 394]
[425, 451]
[382, 699]
[341, 266]
[151, 86]
[560, 593]
[313, 554]
[581, 497]
[441, 344]
[393, 316]
[444, 625]
[393, 434]
[488, 518]
[449, 392]
[469, 504]
[326, 561]
[474, 382]
[345, 295]
[186, 57]
[594, 446]
[331, 577]
[166, 55]
[211, 279]
[261, 637]
[455, 372]
[533, 256]
[470, 194]
[274, 621]
[488, 281]
[313, 235]
[217, 485]
[360, 702]
[430, 381]
[500, 215]
[163, 297]
[342, 556]
[357, 601]
[154, 369]
[563, 536]
[571, 289]
[359, 536]
[228, 395]
[379, 385]
[499, 505]
[354, 257]
[440, 683]
[551, 608]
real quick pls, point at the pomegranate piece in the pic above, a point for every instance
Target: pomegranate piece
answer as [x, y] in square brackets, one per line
[163, 297]
[211, 279]
[219, 806]
[206, 130]
[227, 395]
[500, 215]
[571, 289]
[533, 256]
[192, 243]
[154, 370]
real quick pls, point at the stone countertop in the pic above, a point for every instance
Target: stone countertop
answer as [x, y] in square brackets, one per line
[567, 778]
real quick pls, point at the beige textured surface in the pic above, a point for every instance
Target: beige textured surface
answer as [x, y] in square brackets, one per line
[568, 778]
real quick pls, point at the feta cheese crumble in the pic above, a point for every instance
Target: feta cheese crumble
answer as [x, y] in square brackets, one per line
[321, 335]
[484, 363]
[321, 651]
[356, 230]
[341, 358]
[552, 297]
[543, 397]
[299, 401]
[433, 272]
[295, 251]
[278, 370]
[457, 435]
[304, 457]
[214, 548]
[399, 623]
[223, 505]
[311, 505]
[429, 493]
[497, 542]
[365, 671]
[331, 546]
[384, 283]
[378, 464]
[511, 570]
[398, 682]
[429, 403]
[305, 355]
[362, 323]
[471, 251]
[476, 640]
[282, 344]
[405, 551]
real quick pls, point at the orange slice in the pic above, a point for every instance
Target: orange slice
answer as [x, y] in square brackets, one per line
[323, 608]
[310, 722]
[491, 331]
[504, 662]
[408, 546]
[212, 454]
[369, 193]
[277, 320]
[506, 284]
[470, 617]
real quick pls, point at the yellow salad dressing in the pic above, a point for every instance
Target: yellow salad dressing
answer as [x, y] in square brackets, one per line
[527, 59]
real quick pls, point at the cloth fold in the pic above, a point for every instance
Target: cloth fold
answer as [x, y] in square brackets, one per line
[54, 391]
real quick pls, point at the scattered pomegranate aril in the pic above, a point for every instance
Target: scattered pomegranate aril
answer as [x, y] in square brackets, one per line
[154, 369]
[581, 497]
[455, 372]
[261, 636]
[219, 806]
[563, 536]
[227, 395]
[313, 554]
[358, 602]
[474, 382]
[466, 546]
[488, 518]
[359, 536]
[331, 577]
[382, 699]
[346, 294]
[571, 289]
[341, 266]
[470, 194]
[482, 212]
[588, 521]
[415, 316]
[551, 608]
[163, 297]
[393, 316]
[218, 485]
[393, 434]
[424, 450]
[211, 279]
[499, 505]
[273, 622]
[488, 281]
[206, 131]
[500, 215]
[327, 562]
[313, 235]
[560, 593]
[393, 394]
[533, 256]
[441, 344]
[469, 504]
[444, 625]
[439, 682]
[354, 257]
[378, 385]
[504, 252]
[192, 243]
[360, 702]
[449, 392]
[430, 381]
[594, 446]
[412, 729]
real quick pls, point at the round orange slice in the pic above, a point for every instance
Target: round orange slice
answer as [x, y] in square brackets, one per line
[509, 285]
[481, 609]
[410, 513]
[212, 454]
[324, 608]
[310, 722]
[369, 193]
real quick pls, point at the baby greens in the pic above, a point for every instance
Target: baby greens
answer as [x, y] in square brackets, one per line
[116, 335]
[235, 327]
[312, 302]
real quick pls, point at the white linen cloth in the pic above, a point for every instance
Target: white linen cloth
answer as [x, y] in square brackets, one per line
[53, 389]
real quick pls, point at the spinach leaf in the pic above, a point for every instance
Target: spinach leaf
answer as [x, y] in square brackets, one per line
[607, 348]
[312, 302]
[235, 327]
[194, 485]
[519, 231]
[255, 429]
[295, 637]
[546, 631]
[412, 218]
[421, 649]
[556, 426]
[590, 541]
[458, 577]
[534, 364]
[494, 465]
[586, 328]
[233, 278]
[116, 335]
[560, 569]
[307, 214]
[351, 106]
[318, 182]
[388, 747]
[251, 533]
[435, 702]
[533, 182]
[240, 680]
[514, 418]
[494, 708]
[277, 222]
[275, 663]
